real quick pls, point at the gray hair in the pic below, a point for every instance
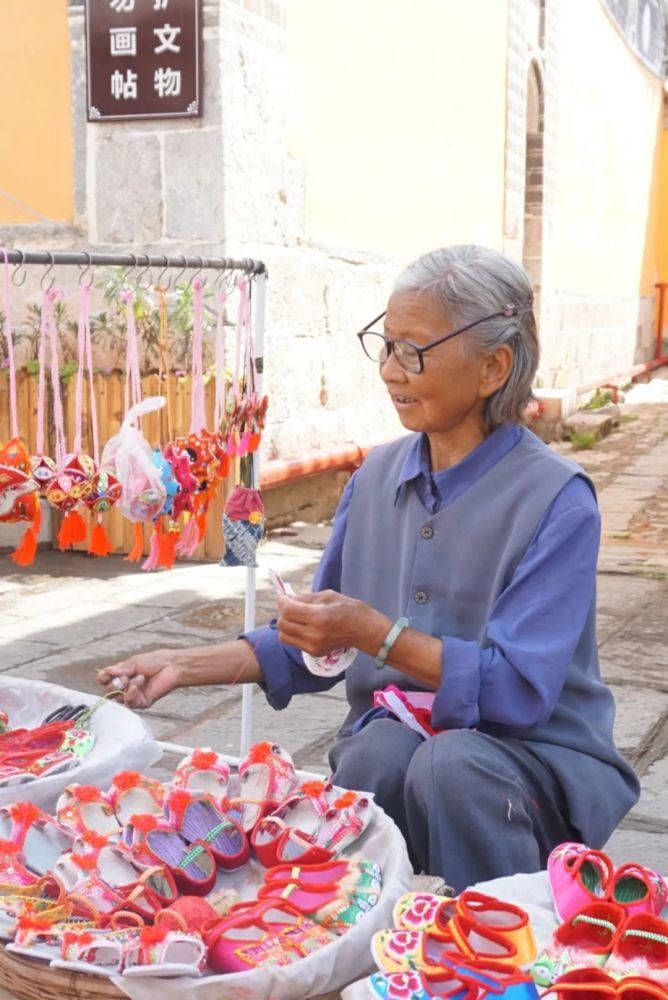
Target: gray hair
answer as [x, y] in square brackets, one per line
[470, 282]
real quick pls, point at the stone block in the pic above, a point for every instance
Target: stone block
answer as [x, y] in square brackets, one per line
[598, 424]
[128, 187]
[193, 186]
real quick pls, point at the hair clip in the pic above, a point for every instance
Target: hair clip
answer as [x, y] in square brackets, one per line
[509, 310]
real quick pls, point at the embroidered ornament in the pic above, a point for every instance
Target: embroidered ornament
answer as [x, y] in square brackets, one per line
[243, 526]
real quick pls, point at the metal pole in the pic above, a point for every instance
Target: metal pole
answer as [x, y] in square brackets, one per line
[260, 289]
[82, 258]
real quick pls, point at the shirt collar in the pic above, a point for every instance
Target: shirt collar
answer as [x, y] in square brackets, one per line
[465, 473]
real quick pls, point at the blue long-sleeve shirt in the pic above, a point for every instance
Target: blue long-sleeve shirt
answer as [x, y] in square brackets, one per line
[534, 624]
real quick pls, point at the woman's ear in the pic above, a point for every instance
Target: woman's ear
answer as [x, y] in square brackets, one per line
[495, 370]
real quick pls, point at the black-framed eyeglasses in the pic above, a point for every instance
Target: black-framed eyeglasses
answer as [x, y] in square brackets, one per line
[378, 347]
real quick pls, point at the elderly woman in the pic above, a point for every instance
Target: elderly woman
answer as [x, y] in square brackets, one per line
[462, 561]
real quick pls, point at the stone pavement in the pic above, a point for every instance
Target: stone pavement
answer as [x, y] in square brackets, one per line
[69, 614]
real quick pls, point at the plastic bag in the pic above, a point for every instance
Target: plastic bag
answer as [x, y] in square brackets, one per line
[122, 740]
[328, 969]
[130, 458]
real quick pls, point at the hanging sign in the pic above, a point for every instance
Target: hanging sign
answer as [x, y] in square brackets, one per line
[143, 59]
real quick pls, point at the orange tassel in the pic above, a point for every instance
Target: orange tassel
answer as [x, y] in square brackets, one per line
[99, 541]
[26, 550]
[167, 547]
[201, 524]
[253, 442]
[72, 530]
[137, 550]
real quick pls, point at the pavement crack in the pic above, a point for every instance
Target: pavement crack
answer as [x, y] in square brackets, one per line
[652, 747]
[644, 824]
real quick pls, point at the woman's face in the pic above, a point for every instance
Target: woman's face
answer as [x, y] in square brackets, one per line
[448, 392]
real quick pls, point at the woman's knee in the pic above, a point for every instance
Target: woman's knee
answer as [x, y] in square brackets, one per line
[446, 767]
[375, 759]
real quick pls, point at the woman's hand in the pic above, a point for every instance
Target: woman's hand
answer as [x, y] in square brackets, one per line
[146, 677]
[318, 623]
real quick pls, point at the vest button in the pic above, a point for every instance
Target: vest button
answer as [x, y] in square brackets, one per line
[426, 531]
[420, 597]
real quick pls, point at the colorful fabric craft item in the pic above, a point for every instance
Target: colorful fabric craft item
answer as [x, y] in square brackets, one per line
[243, 526]
[18, 491]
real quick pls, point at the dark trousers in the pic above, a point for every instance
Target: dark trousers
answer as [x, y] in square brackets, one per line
[471, 807]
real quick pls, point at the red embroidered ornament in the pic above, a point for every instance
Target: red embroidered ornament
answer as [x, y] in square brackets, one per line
[19, 498]
[18, 491]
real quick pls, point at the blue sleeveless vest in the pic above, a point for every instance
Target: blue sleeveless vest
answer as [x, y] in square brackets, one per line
[445, 572]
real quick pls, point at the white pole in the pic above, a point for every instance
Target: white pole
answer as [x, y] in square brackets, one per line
[260, 289]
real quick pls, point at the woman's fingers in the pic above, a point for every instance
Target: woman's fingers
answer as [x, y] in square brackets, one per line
[121, 672]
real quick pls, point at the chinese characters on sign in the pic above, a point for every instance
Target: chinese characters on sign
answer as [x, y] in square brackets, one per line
[144, 59]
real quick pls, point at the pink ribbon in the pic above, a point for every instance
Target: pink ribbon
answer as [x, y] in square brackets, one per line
[13, 408]
[132, 376]
[219, 404]
[41, 376]
[197, 413]
[85, 361]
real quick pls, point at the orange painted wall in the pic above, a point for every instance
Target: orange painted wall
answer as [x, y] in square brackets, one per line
[36, 160]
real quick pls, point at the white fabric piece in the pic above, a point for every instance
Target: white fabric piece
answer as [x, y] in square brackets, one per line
[123, 741]
[327, 969]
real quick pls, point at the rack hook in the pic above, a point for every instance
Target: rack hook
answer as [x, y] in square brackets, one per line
[161, 277]
[87, 267]
[17, 270]
[220, 277]
[182, 271]
[146, 287]
[42, 283]
[197, 273]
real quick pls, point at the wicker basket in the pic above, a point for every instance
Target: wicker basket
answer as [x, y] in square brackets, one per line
[35, 980]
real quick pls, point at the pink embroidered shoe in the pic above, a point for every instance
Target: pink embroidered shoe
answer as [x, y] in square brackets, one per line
[306, 809]
[203, 771]
[95, 951]
[12, 867]
[347, 819]
[266, 778]
[639, 890]
[132, 794]
[160, 951]
[272, 933]
[578, 876]
[39, 838]
[83, 808]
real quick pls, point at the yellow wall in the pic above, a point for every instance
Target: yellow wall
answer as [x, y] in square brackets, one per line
[662, 212]
[35, 116]
[398, 113]
[607, 159]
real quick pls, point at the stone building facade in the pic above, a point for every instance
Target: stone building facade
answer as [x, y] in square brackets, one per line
[476, 136]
